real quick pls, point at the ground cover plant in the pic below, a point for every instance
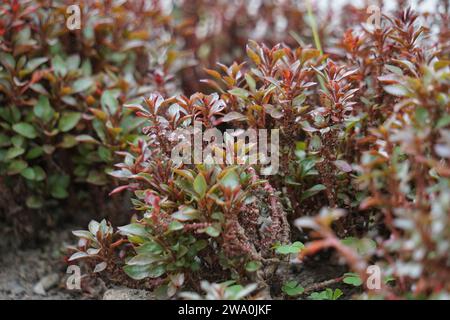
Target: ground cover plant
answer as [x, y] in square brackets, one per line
[352, 201]
[62, 100]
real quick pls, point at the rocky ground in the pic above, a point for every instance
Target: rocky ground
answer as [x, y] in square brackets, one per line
[40, 274]
[36, 273]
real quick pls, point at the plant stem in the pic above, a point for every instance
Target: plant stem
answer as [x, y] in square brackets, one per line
[313, 24]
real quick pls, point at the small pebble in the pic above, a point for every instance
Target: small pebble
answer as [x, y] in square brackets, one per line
[46, 283]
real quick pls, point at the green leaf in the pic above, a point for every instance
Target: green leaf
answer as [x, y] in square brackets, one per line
[315, 143]
[143, 259]
[161, 292]
[121, 174]
[396, 90]
[327, 294]
[43, 109]
[150, 247]
[239, 92]
[394, 69]
[99, 128]
[299, 100]
[34, 63]
[82, 84]
[218, 216]
[175, 225]
[212, 231]
[186, 213]
[352, 279]
[134, 229]
[18, 140]
[253, 266]
[69, 120]
[39, 173]
[14, 152]
[28, 173]
[184, 173]
[34, 153]
[105, 154]
[251, 82]
[68, 141]
[230, 180]
[34, 202]
[312, 191]
[25, 129]
[337, 293]
[138, 272]
[85, 138]
[58, 192]
[273, 112]
[200, 244]
[83, 234]
[421, 115]
[443, 122]
[16, 167]
[200, 185]
[72, 62]
[7, 60]
[59, 66]
[4, 140]
[318, 296]
[389, 279]
[292, 288]
[156, 271]
[58, 185]
[293, 248]
[109, 101]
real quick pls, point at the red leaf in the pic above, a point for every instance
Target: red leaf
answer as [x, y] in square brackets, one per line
[118, 190]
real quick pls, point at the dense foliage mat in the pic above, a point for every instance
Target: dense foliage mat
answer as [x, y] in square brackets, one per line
[359, 111]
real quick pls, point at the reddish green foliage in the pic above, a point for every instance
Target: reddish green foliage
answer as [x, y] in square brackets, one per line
[364, 140]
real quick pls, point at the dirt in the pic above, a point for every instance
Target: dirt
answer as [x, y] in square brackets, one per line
[37, 273]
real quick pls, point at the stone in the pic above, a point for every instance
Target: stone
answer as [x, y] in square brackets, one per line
[128, 294]
[15, 287]
[46, 283]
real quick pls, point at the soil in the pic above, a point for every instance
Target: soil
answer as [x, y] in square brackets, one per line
[22, 270]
